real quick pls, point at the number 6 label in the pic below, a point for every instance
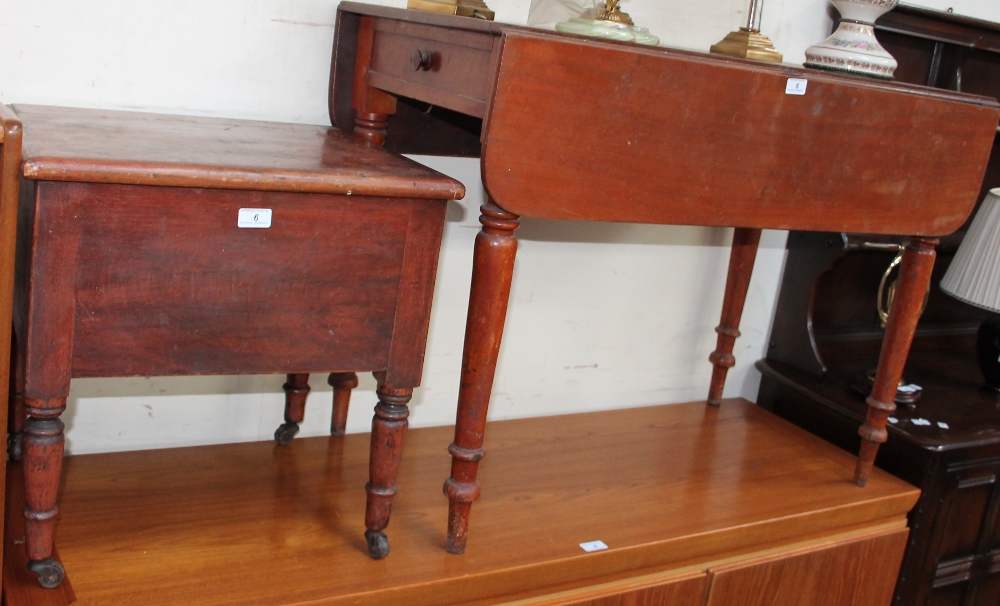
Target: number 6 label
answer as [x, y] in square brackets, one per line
[254, 217]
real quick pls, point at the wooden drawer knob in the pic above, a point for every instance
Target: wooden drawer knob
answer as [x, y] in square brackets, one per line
[421, 60]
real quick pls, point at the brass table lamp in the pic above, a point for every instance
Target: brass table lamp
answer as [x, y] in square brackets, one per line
[747, 42]
[476, 9]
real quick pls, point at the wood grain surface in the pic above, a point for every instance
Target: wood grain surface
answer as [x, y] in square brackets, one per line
[907, 305]
[457, 74]
[669, 486]
[673, 589]
[99, 146]
[661, 136]
[166, 275]
[792, 579]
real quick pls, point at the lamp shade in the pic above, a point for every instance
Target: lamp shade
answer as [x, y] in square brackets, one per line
[974, 274]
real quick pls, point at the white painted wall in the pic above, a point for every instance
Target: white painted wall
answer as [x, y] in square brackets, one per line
[601, 316]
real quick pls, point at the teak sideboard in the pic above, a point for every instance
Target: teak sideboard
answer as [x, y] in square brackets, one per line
[707, 506]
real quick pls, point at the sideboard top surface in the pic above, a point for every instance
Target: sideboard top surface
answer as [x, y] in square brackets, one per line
[662, 486]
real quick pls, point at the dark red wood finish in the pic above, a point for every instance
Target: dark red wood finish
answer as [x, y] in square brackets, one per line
[342, 383]
[371, 105]
[492, 271]
[741, 258]
[296, 390]
[134, 148]
[914, 275]
[132, 264]
[732, 149]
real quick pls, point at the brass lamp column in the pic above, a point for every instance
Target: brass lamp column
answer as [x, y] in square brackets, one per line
[748, 42]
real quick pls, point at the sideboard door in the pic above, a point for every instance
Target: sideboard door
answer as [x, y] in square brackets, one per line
[858, 571]
[662, 588]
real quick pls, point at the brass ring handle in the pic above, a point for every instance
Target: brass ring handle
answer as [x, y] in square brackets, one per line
[420, 60]
[884, 301]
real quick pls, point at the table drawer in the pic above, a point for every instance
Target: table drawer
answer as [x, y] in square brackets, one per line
[443, 67]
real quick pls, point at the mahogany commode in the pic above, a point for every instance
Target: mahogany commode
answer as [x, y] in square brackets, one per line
[135, 259]
[574, 128]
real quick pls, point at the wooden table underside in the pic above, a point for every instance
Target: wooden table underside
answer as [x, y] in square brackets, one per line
[657, 135]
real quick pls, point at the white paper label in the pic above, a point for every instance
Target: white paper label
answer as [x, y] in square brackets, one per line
[796, 86]
[593, 546]
[254, 217]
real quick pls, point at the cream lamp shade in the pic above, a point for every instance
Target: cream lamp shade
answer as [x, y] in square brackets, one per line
[974, 274]
[974, 277]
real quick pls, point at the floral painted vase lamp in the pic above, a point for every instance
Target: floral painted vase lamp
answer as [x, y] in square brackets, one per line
[853, 47]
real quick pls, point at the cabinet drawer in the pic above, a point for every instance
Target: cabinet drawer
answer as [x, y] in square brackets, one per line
[448, 68]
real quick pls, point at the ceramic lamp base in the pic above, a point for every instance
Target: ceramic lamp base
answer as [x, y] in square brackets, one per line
[988, 352]
[597, 28]
[853, 49]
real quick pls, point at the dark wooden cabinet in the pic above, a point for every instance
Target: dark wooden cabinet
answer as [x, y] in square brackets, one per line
[827, 330]
[952, 557]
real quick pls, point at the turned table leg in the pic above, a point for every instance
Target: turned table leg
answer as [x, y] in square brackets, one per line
[914, 275]
[43, 453]
[492, 270]
[388, 433]
[372, 106]
[741, 258]
[17, 415]
[342, 383]
[371, 126]
[296, 391]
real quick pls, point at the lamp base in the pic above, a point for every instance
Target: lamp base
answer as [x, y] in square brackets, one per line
[747, 44]
[609, 30]
[476, 9]
[907, 394]
[853, 48]
[988, 352]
